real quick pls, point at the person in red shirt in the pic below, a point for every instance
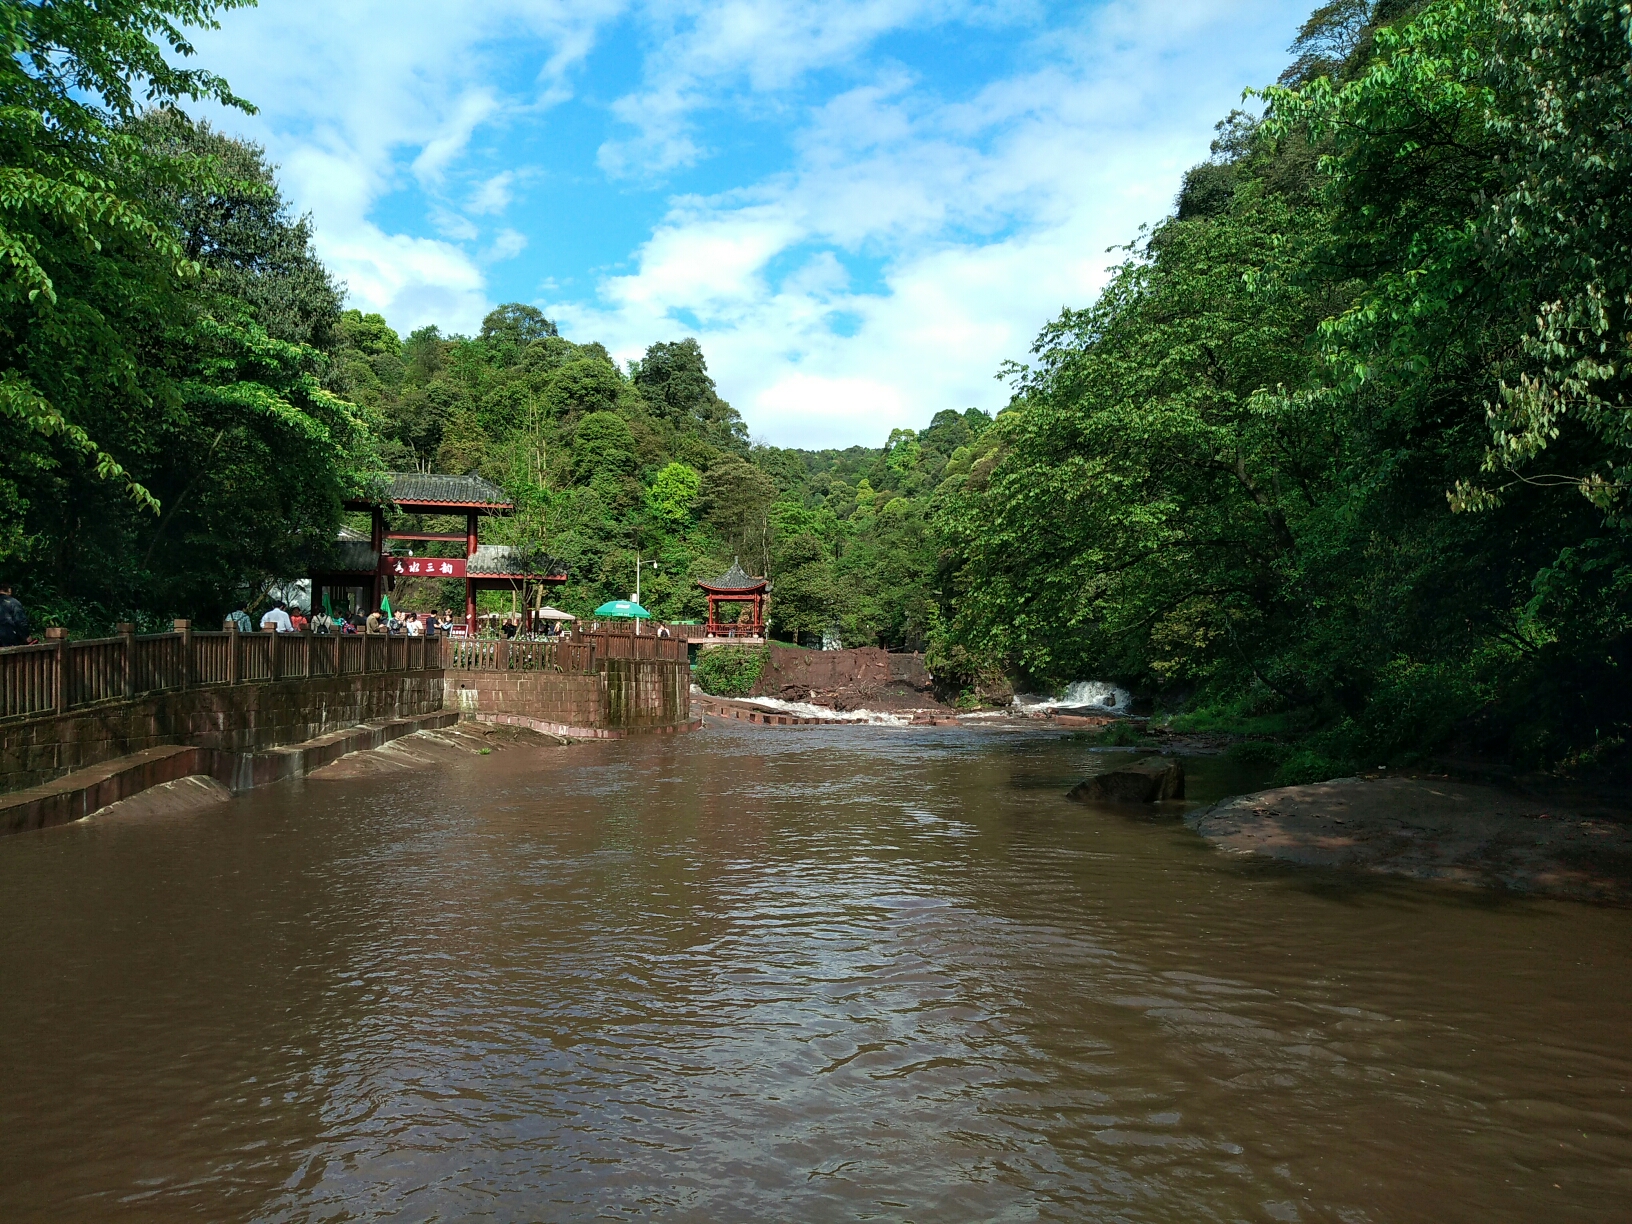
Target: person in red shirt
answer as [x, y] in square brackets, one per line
[297, 619]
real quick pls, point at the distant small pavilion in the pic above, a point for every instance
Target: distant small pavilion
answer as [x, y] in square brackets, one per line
[735, 589]
[484, 567]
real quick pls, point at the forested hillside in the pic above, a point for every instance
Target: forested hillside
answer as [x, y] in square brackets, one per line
[1341, 451]
[609, 465]
[1346, 441]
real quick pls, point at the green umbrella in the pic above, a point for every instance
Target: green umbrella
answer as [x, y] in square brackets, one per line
[622, 607]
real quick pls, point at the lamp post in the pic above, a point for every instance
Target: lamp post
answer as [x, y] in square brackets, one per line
[640, 565]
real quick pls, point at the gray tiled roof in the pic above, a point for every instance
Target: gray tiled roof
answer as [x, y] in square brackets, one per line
[435, 487]
[355, 556]
[734, 579]
[507, 559]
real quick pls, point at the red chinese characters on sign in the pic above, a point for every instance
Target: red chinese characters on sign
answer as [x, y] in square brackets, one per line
[424, 567]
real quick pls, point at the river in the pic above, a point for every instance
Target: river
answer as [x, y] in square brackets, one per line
[751, 974]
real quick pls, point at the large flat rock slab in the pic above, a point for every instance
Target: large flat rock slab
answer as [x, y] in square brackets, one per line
[1428, 829]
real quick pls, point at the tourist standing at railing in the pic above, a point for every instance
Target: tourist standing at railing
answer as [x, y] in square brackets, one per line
[13, 618]
[415, 629]
[372, 624]
[297, 618]
[276, 620]
[240, 618]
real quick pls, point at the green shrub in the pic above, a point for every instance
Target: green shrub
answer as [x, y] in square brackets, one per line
[1309, 765]
[1120, 735]
[1257, 752]
[729, 671]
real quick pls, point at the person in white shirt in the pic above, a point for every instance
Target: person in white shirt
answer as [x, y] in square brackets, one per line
[415, 629]
[277, 620]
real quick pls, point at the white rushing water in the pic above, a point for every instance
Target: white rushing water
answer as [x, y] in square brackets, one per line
[805, 710]
[1098, 693]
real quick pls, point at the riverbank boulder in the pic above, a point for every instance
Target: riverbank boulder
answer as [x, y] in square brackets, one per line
[1147, 781]
[1431, 828]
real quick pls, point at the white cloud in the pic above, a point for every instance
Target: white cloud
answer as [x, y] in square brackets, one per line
[921, 230]
[494, 195]
[453, 133]
[709, 48]
[359, 99]
[979, 218]
[506, 245]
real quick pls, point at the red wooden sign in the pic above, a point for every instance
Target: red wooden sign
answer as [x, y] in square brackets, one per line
[423, 567]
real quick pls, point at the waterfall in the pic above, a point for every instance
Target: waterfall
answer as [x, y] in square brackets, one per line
[1080, 694]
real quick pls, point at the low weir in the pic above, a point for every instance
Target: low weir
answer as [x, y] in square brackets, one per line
[87, 723]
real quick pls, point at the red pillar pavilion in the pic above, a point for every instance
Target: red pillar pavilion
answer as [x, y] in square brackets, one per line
[728, 595]
[483, 566]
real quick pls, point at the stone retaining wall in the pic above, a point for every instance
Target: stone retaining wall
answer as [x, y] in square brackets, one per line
[621, 697]
[824, 671]
[234, 718]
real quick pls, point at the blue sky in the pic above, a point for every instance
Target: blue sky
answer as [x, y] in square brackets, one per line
[861, 208]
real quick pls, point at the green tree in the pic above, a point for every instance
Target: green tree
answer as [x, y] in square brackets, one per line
[1246, 470]
[672, 496]
[72, 230]
[803, 599]
[161, 321]
[736, 498]
[673, 377]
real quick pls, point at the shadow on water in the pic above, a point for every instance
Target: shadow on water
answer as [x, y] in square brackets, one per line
[1351, 886]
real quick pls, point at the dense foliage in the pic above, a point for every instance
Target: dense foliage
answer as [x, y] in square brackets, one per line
[1342, 447]
[729, 671]
[167, 437]
[608, 466]
[1347, 436]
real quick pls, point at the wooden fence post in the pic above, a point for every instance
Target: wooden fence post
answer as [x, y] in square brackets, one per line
[232, 652]
[128, 632]
[274, 655]
[59, 663]
[185, 628]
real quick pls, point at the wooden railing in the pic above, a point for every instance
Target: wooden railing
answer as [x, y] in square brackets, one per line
[579, 653]
[58, 675]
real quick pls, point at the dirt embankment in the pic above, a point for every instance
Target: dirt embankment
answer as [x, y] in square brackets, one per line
[866, 678]
[1433, 829]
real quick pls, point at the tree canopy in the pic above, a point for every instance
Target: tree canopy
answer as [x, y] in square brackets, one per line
[1347, 434]
[1343, 446]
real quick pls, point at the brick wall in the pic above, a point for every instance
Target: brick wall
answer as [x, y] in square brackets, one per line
[646, 693]
[623, 695]
[557, 697]
[827, 670]
[229, 718]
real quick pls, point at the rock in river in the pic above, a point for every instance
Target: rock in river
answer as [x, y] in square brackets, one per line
[1434, 829]
[1144, 781]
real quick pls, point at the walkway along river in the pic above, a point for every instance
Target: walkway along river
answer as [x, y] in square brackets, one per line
[756, 974]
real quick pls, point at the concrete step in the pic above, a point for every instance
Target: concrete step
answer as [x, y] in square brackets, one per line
[84, 791]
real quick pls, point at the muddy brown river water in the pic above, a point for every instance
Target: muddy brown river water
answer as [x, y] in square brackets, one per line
[830, 974]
